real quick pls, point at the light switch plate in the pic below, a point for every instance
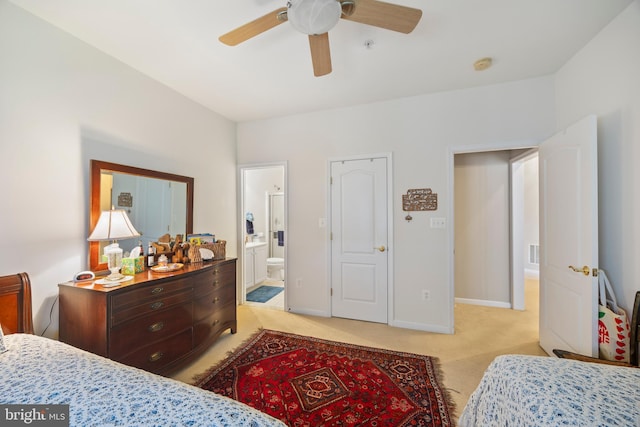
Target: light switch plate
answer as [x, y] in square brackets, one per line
[437, 222]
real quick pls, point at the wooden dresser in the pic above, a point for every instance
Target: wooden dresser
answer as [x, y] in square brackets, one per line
[157, 321]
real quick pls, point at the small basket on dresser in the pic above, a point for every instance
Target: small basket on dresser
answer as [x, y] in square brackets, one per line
[219, 250]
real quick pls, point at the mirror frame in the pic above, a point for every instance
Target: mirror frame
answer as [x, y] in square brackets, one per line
[97, 167]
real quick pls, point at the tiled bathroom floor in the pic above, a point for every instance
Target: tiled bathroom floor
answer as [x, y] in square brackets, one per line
[276, 302]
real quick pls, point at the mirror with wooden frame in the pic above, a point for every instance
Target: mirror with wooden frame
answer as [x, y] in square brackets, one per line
[157, 203]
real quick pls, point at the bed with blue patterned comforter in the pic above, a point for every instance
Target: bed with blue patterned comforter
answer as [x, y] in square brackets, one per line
[545, 391]
[101, 392]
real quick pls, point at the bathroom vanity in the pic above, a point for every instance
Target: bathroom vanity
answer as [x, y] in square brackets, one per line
[255, 263]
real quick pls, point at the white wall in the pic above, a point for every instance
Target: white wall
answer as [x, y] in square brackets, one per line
[604, 79]
[258, 183]
[420, 131]
[63, 103]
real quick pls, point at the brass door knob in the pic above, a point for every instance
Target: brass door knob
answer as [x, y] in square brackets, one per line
[381, 248]
[584, 270]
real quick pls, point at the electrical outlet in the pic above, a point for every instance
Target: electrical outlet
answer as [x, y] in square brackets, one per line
[426, 294]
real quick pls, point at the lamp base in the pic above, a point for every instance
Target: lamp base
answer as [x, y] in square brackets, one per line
[114, 276]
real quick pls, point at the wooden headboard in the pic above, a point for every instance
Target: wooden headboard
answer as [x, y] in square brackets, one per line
[15, 304]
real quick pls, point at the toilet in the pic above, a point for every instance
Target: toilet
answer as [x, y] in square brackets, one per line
[275, 268]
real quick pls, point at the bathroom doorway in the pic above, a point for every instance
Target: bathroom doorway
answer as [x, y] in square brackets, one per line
[262, 235]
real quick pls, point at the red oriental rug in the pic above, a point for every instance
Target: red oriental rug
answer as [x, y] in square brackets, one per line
[306, 381]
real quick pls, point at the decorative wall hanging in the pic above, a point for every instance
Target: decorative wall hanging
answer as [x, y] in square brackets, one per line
[420, 199]
[125, 200]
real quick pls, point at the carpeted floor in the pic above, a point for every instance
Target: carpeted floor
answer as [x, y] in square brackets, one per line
[481, 334]
[310, 381]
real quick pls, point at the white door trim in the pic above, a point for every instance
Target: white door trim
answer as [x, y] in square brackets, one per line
[517, 227]
[390, 222]
[241, 289]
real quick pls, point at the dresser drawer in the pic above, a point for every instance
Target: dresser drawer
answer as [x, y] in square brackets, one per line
[223, 318]
[156, 356]
[145, 293]
[127, 337]
[150, 306]
[206, 304]
[216, 278]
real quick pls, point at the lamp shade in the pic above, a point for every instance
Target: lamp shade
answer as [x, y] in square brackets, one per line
[314, 17]
[113, 225]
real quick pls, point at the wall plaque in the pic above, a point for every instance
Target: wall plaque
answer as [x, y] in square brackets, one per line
[420, 199]
[125, 200]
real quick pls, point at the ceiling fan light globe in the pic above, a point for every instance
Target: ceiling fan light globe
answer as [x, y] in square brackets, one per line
[314, 17]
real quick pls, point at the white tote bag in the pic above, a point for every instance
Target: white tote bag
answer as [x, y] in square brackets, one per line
[613, 324]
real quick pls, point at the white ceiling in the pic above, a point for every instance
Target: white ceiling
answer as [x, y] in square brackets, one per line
[176, 43]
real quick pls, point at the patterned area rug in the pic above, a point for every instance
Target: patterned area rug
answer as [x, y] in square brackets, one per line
[306, 381]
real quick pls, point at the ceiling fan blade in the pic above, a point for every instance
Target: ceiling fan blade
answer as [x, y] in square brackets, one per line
[385, 15]
[255, 27]
[320, 54]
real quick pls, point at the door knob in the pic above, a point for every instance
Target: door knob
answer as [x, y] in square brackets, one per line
[584, 270]
[381, 248]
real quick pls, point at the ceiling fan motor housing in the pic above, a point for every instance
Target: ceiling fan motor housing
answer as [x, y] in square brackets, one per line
[313, 17]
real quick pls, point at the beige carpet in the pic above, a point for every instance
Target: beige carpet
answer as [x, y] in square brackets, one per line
[481, 333]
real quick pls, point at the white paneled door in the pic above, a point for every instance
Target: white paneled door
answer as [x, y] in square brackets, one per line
[359, 233]
[569, 237]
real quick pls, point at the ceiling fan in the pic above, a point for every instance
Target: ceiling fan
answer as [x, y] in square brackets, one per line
[317, 17]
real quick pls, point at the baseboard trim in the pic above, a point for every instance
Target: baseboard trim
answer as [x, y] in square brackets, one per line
[486, 303]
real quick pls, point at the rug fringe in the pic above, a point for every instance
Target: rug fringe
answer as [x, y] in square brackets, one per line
[446, 392]
[199, 379]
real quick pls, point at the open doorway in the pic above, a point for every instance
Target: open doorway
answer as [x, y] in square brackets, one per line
[496, 227]
[262, 234]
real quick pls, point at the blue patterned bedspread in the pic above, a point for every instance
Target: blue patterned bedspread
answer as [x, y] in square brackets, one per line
[522, 391]
[101, 392]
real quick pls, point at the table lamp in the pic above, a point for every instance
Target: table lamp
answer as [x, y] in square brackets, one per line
[113, 225]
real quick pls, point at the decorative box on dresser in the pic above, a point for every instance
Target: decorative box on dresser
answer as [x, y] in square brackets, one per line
[157, 321]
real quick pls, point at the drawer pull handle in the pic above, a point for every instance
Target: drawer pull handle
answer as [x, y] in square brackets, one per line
[157, 290]
[157, 305]
[216, 299]
[156, 327]
[216, 283]
[156, 356]
[215, 322]
[215, 271]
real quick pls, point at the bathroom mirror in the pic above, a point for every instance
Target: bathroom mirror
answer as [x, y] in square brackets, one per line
[156, 203]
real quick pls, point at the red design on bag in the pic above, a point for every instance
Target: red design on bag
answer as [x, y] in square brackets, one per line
[618, 320]
[603, 334]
